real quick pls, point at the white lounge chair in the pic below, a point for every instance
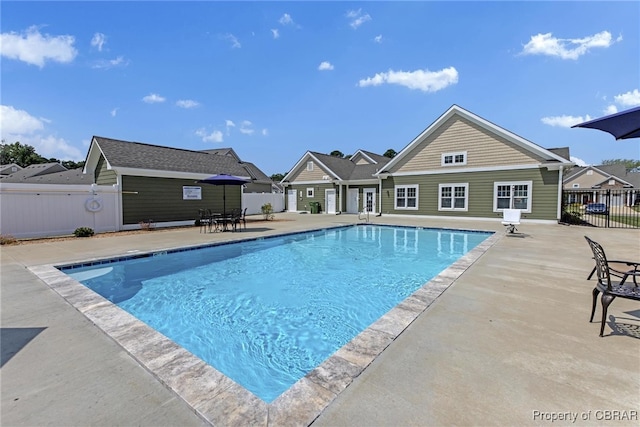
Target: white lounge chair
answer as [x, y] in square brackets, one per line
[511, 218]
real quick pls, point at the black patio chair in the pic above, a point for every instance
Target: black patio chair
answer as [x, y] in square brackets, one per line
[205, 219]
[632, 269]
[241, 217]
[610, 290]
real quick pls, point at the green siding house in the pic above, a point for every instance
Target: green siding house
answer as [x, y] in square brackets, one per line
[460, 166]
[160, 183]
[337, 184]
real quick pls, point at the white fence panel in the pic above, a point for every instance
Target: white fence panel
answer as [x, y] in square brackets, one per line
[254, 201]
[44, 210]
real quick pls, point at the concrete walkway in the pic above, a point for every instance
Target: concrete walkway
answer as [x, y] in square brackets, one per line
[508, 343]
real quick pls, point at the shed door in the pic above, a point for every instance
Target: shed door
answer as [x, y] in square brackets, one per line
[292, 201]
[330, 201]
[352, 200]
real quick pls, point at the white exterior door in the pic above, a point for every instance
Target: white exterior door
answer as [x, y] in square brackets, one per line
[369, 200]
[330, 201]
[292, 200]
[352, 200]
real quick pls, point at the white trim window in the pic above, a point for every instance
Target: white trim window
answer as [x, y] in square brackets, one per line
[512, 195]
[406, 197]
[454, 159]
[310, 192]
[453, 197]
[575, 186]
[310, 165]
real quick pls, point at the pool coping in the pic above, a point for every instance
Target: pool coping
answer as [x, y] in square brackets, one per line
[219, 400]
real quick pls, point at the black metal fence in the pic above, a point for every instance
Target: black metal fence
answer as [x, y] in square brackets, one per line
[610, 208]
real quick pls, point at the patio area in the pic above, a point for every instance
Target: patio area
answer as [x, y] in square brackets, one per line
[509, 343]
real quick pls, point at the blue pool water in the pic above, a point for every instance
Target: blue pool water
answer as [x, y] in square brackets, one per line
[266, 312]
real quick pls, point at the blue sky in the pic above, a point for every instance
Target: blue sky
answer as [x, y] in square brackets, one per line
[274, 79]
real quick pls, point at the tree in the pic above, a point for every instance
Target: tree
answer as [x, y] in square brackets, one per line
[628, 163]
[25, 155]
[337, 153]
[390, 153]
[21, 155]
[70, 164]
[277, 177]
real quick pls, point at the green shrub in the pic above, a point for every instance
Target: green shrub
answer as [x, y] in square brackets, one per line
[83, 232]
[267, 211]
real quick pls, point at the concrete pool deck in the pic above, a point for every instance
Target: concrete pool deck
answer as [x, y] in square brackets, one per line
[508, 338]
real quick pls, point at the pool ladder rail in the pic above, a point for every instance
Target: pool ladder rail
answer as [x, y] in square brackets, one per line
[364, 217]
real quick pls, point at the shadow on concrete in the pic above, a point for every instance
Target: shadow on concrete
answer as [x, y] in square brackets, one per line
[15, 339]
[620, 327]
[255, 229]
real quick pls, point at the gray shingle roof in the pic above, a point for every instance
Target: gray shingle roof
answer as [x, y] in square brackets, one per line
[137, 155]
[33, 171]
[348, 170]
[377, 157]
[71, 177]
[615, 170]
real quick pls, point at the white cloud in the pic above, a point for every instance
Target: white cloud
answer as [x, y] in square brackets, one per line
[187, 103]
[357, 18]
[245, 127]
[286, 20]
[98, 40]
[235, 44]
[325, 65]
[153, 98]
[19, 125]
[378, 38]
[110, 63]
[611, 109]
[424, 80]
[229, 124]
[629, 99]
[546, 44]
[35, 48]
[265, 132]
[50, 146]
[215, 136]
[564, 121]
[578, 161]
[114, 112]
[14, 121]
[275, 32]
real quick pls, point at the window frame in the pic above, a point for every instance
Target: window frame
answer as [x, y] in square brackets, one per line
[453, 207]
[406, 197]
[511, 184]
[310, 192]
[310, 166]
[453, 156]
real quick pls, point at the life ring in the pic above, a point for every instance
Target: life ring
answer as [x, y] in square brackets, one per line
[93, 204]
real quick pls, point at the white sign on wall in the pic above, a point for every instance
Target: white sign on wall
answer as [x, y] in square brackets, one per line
[191, 193]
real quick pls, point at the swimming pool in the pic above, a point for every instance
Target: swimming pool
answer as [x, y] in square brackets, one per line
[265, 312]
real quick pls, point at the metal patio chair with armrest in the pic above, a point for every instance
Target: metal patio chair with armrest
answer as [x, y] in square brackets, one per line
[234, 217]
[610, 290]
[204, 219]
[632, 269]
[241, 217]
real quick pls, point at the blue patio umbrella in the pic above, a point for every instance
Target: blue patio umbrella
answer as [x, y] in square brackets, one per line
[622, 125]
[224, 180]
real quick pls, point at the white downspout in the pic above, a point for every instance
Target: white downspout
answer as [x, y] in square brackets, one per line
[560, 188]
